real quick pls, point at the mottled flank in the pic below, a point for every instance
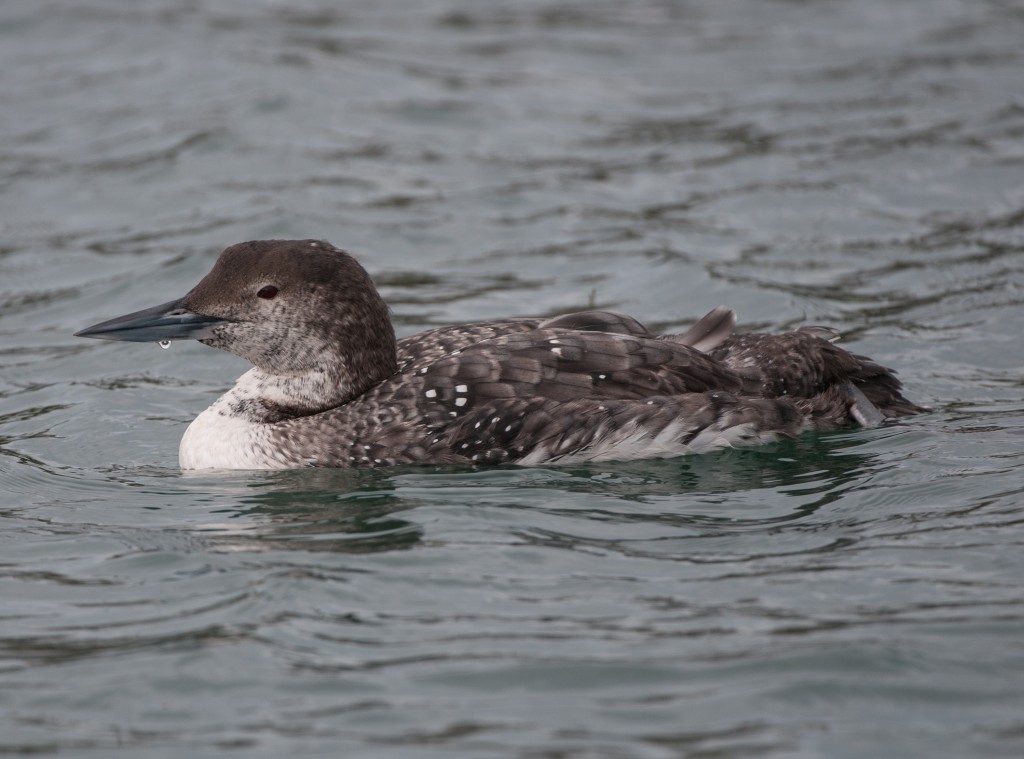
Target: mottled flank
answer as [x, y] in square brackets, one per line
[331, 387]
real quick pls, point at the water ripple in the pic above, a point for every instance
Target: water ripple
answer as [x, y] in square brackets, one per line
[853, 165]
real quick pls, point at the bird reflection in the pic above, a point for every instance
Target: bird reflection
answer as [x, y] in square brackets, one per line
[359, 511]
[345, 511]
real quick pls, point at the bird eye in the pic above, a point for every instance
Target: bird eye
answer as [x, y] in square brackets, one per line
[267, 292]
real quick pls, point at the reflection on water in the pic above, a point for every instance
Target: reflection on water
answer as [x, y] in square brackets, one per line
[815, 462]
[344, 511]
[359, 511]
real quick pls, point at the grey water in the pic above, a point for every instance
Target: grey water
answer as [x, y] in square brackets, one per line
[857, 165]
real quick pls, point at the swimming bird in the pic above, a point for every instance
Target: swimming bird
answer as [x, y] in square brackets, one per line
[332, 387]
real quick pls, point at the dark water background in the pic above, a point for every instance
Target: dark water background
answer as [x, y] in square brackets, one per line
[855, 164]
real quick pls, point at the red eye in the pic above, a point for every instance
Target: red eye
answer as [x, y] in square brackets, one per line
[267, 292]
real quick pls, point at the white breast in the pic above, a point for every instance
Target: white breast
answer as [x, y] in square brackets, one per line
[220, 438]
[217, 440]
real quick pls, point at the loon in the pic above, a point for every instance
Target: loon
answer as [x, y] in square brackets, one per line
[332, 387]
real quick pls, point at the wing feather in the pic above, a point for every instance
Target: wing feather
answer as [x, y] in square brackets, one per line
[564, 365]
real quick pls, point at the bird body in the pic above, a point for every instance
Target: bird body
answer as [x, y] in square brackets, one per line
[332, 387]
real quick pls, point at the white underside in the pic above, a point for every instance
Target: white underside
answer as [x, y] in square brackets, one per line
[634, 442]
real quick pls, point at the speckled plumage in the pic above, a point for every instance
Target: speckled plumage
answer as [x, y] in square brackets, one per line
[332, 387]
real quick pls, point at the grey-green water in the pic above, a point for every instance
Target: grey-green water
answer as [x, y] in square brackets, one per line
[854, 164]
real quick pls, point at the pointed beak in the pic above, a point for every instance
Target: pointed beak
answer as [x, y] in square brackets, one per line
[168, 321]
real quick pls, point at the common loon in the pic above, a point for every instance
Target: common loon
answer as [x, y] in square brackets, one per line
[331, 386]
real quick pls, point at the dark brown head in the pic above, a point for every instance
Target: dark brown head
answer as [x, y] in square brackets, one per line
[287, 306]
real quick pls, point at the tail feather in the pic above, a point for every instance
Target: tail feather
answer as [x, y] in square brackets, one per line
[710, 330]
[863, 411]
[832, 384]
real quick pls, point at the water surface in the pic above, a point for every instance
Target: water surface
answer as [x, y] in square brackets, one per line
[845, 595]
